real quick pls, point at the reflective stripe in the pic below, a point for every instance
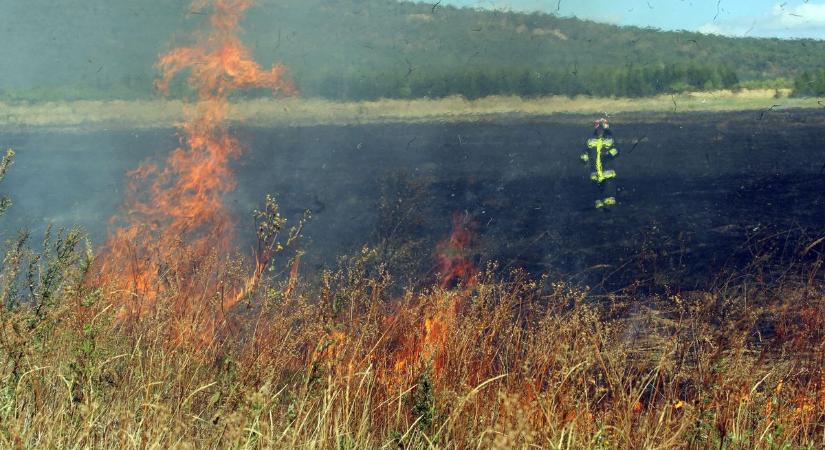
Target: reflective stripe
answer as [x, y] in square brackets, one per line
[606, 175]
[609, 201]
[599, 167]
[600, 144]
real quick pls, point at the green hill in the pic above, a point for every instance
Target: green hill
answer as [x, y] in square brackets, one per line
[361, 49]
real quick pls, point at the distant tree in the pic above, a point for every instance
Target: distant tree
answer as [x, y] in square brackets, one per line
[810, 84]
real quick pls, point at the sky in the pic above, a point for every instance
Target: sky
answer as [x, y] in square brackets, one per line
[753, 18]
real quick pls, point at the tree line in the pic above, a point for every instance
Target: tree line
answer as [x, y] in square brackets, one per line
[810, 84]
[473, 83]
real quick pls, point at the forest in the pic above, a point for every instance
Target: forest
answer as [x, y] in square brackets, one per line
[810, 83]
[626, 81]
[367, 49]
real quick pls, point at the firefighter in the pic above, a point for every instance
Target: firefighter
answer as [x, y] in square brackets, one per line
[600, 148]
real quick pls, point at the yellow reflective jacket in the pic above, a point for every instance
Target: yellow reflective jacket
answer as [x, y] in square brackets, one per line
[601, 148]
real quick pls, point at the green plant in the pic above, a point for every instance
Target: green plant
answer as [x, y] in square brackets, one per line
[5, 163]
[423, 399]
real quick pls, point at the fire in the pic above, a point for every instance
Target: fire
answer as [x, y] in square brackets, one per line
[458, 273]
[454, 262]
[174, 219]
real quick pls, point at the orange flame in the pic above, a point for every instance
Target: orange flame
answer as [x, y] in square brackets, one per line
[175, 213]
[456, 269]
[454, 262]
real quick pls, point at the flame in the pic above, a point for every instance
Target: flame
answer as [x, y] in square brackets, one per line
[459, 274]
[174, 219]
[454, 262]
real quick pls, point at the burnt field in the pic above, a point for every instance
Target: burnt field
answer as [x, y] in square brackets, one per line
[698, 193]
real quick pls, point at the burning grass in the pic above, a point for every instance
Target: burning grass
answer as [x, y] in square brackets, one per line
[487, 360]
[178, 209]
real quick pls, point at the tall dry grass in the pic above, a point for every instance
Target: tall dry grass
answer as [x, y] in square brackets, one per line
[343, 361]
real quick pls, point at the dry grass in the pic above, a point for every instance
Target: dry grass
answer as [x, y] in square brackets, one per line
[343, 362]
[305, 112]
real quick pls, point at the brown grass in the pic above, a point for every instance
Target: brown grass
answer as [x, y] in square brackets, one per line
[511, 362]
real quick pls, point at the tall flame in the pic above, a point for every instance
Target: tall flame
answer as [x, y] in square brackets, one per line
[175, 213]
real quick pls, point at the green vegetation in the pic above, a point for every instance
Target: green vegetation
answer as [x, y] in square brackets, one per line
[810, 84]
[5, 163]
[628, 81]
[366, 49]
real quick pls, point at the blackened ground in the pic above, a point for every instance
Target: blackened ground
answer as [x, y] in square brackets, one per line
[695, 190]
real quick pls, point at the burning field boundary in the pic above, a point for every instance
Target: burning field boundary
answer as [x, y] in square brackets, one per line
[149, 114]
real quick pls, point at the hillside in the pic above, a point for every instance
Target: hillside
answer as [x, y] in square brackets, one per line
[355, 49]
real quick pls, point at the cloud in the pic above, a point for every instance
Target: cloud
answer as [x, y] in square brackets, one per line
[800, 21]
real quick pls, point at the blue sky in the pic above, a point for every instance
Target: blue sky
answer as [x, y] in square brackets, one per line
[756, 18]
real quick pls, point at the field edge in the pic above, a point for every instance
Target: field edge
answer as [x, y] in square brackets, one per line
[297, 112]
